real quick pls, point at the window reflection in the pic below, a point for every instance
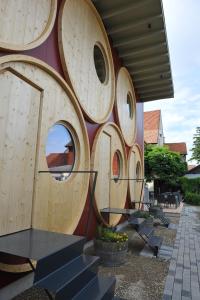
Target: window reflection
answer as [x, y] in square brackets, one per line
[100, 64]
[130, 106]
[60, 151]
[116, 166]
[138, 170]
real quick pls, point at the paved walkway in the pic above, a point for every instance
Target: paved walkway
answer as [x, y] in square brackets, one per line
[183, 280]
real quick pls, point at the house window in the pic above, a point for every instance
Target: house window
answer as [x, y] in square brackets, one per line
[60, 151]
[130, 105]
[116, 165]
[100, 63]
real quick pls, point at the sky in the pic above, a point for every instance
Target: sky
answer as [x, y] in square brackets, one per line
[181, 115]
[58, 137]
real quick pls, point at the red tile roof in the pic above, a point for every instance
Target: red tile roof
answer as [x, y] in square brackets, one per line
[190, 167]
[151, 126]
[60, 159]
[177, 147]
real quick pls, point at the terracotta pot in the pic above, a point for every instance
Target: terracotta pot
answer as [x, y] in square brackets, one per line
[111, 253]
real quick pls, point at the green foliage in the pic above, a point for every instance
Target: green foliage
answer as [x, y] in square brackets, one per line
[192, 198]
[163, 164]
[109, 235]
[190, 185]
[191, 190]
[196, 146]
[141, 214]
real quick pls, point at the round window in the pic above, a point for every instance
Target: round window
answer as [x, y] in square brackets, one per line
[130, 105]
[60, 151]
[100, 64]
[116, 165]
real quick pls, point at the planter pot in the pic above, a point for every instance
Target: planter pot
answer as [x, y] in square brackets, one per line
[111, 254]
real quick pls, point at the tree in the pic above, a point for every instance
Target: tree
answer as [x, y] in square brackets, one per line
[196, 146]
[163, 164]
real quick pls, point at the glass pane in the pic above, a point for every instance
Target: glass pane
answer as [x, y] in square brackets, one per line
[138, 170]
[116, 168]
[60, 151]
[100, 64]
[130, 106]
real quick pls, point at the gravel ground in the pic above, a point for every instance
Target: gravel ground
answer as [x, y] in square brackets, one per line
[33, 294]
[169, 235]
[140, 278]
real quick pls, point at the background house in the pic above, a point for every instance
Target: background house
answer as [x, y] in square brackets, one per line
[153, 128]
[193, 172]
[180, 148]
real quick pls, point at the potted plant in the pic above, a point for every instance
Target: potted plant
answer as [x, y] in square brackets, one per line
[111, 246]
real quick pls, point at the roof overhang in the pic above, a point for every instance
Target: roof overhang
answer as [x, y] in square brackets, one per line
[137, 29]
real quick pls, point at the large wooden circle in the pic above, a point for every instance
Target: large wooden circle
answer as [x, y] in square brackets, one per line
[57, 206]
[136, 171]
[80, 29]
[25, 24]
[126, 106]
[109, 193]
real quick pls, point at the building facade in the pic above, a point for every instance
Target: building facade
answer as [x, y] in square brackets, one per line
[74, 76]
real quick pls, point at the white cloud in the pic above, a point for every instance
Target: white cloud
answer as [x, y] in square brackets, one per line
[181, 115]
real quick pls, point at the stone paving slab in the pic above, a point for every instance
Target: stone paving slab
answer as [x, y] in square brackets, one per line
[183, 279]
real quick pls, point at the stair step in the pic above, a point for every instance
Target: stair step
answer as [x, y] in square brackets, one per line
[164, 220]
[54, 261]
[70, 277]
[146, 230]
[155, 241]
[100, 288]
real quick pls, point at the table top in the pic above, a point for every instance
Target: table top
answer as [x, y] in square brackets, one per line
[122, 211]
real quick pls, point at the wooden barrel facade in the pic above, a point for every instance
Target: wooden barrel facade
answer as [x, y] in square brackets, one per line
[86, 58]
[126, 106]
[109, 159]
[25, 24]
[37, 199]
[34, 99]
[136, 171]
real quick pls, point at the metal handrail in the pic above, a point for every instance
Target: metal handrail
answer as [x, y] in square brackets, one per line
[132, 179]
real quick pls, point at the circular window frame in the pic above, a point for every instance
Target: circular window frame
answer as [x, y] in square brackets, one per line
[76, 142]
[105, 59]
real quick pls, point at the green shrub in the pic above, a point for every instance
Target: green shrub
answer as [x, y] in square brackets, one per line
[109, 235]
[141, 214]
[192, 198]
[190, 185]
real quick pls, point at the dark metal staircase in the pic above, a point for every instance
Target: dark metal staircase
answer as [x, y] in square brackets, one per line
[158, 213]
[146, 232]
[62, 269]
